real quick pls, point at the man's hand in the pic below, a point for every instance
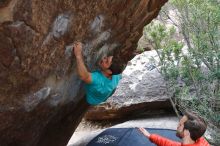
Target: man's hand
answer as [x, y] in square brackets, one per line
[77, 49]
[145, 132]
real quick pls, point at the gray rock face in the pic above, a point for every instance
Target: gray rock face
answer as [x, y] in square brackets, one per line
[142, 88]
[39, 88]
[141, 82]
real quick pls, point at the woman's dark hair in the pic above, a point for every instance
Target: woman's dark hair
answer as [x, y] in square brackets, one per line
[195, 124]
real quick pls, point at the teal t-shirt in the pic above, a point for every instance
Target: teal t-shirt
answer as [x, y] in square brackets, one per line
[101, 87]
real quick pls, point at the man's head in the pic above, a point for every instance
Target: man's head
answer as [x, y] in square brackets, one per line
[191, 125]
[106, 64]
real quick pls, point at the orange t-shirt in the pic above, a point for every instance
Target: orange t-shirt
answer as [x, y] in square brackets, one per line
[162, 141]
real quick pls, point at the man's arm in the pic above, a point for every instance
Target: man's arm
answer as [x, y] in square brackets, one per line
[162, 141]
[159, 140]
[84, 74]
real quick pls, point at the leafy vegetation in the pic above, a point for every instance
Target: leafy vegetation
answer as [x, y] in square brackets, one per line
[191, 65]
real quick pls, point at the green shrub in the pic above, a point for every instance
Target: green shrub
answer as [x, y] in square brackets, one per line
[199, 68]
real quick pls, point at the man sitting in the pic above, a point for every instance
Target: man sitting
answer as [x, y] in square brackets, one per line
[99, 84]
[190, 129]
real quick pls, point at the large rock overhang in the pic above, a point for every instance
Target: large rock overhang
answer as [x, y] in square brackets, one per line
[39, 88]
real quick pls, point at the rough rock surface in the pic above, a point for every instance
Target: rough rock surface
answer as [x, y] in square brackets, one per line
[39, 87]
[142, 89]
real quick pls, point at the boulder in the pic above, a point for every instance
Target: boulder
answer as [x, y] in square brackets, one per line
[40, 91]
[142, 90]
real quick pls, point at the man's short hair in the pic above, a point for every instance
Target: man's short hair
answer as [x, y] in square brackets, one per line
[116, 68]
[195, 124]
